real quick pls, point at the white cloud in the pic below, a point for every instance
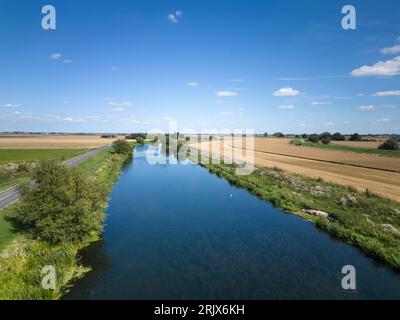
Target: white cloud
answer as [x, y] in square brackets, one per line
[329, 124]
[366, 108]
[119, 106]
[10, 105]
[56, 56]
[392, 50]
[67, 61]
[287, 107]
[169, 119]
[381, 68]
[173, 17]
[393, 93]
[193, 84]
[224, 94]
[69, 119]
[321, 103]
[227, 114]
[383, 120]
[287, 91]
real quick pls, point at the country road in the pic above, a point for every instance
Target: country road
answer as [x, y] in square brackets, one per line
[11, 195]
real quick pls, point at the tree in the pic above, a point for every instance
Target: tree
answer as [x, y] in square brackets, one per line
[63, 205]
[139, 140]
[337, 136]
[355, 137]
[278, 135]
[325, 135]
[314, 138]
[304, 136]
[390, 144]
[265, 134]
[122, 146]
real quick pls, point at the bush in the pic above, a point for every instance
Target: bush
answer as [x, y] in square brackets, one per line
[337, 136]
[314, 138]
[355, 137]
[63, 205]
[122, 146]
[326, 140]
[390, 144]
[23, 167]
[140, 140]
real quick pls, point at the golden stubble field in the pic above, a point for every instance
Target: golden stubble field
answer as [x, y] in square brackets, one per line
[380, 175]
[53, 141]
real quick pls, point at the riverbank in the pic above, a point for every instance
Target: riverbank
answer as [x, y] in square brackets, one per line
[23, 258]
[365, 220]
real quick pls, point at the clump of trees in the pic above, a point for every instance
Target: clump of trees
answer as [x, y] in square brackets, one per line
[337, 136]
[391, 144]
[122, 147]
[108, 136]
[355, 137]
[278, 135]
[140, 140]
[63, 205]
[135, 136]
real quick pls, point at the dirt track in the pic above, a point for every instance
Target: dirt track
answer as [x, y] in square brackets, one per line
[346, 171]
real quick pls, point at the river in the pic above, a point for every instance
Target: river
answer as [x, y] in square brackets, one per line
[177, 232]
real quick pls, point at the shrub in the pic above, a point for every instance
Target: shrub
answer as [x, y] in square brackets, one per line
[63, 205]
[326, 140]
[122, 146]
[390, 144]
[314, 138]
[337, 136]
[23, 167]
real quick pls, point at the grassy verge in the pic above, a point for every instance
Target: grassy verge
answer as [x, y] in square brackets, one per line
[333, 146]
[23, 258]
[362, 219]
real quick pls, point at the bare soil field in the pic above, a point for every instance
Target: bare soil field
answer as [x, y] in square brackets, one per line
[52, 141]
[380, 175]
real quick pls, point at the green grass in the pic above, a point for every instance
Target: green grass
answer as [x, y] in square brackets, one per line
[22, 260]
[333, 146]
[21, 155]
[93, 164]
[7, 232]
[358, 218]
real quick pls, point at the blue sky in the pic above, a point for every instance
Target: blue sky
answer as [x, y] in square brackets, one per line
[127, 66]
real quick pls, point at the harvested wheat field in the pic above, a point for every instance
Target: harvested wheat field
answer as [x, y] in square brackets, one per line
[52, 141]
[380, 175]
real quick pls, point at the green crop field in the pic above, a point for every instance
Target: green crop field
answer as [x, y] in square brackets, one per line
[21, 155]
